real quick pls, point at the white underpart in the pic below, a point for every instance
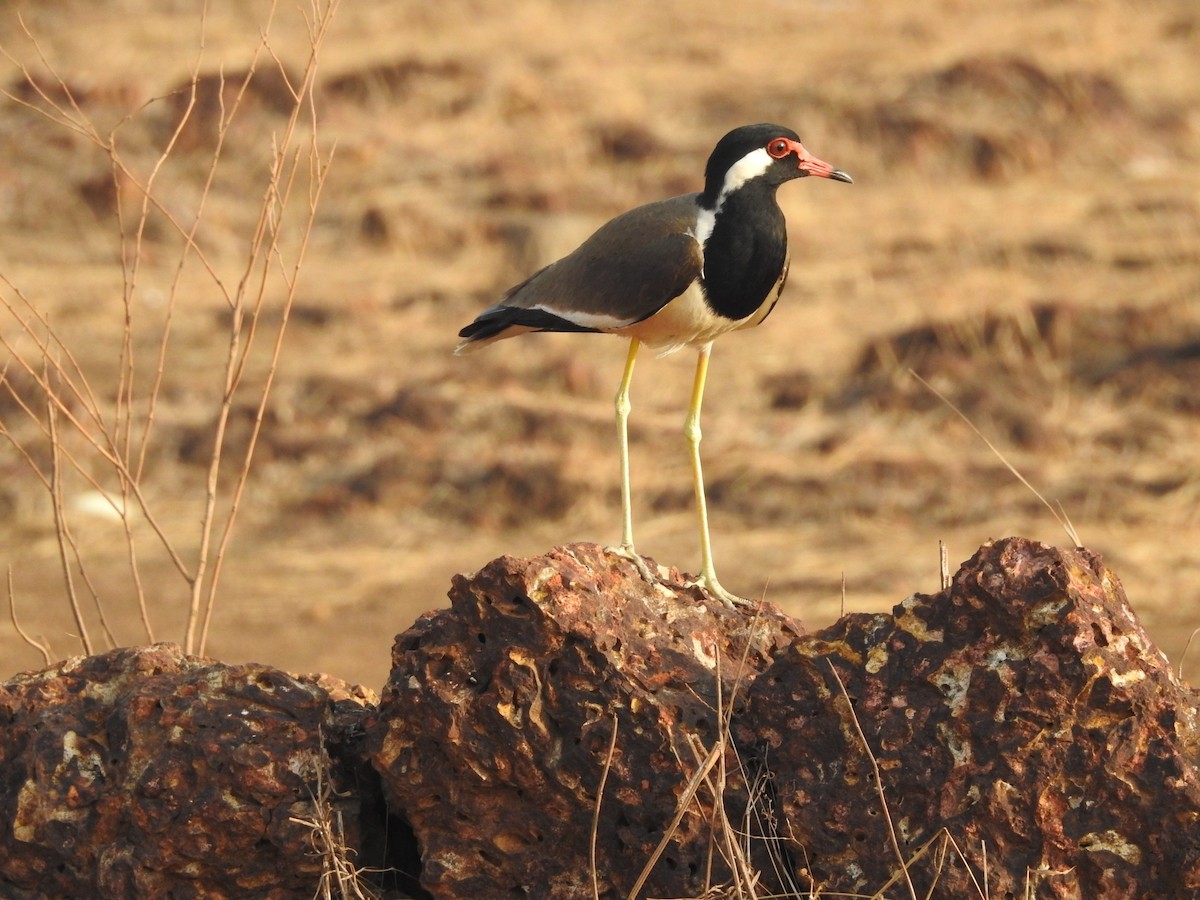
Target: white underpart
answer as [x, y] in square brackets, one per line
[750, 166]
[685, 321]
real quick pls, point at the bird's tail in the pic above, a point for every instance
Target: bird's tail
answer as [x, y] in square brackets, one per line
[499, 322]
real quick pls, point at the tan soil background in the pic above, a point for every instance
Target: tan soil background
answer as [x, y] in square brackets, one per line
[1024, 231]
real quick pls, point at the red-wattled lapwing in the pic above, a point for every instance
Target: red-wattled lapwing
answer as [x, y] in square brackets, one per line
[680, 272]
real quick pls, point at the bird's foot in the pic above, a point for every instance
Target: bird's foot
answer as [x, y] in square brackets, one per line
[710, 585]
[626, 551]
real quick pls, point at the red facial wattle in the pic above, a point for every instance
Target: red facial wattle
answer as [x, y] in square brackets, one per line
[781, 147]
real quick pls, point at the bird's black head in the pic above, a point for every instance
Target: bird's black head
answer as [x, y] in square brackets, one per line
[771, 153]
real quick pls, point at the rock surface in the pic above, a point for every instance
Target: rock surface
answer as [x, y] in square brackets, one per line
[147, 773]
[493, 731]
[1024, 708]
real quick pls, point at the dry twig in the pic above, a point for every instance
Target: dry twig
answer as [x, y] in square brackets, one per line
[42, 648]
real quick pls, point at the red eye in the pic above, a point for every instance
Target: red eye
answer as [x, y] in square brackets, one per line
[779, 148]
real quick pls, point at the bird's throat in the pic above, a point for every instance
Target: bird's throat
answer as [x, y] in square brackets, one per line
[745, 246]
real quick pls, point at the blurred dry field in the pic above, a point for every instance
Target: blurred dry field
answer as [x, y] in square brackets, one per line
[1023, 232]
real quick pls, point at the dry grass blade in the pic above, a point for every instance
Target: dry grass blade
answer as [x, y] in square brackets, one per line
[79, 122]
[339, 876]
[51, 378]
[761, 824]
[65, 537]
[1060, 516]
[733, 844]
[983, 849]
[685, 801]
[35, 326]
[982, 889]
[1186, 648]
[721, 833]
[737, 844]
[744, 880]
[612, 746]
[887, 815]
[940, 843]
[131, 261]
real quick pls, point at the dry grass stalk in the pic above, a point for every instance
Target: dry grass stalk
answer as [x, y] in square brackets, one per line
[760, 825]
[612, 746]
[1186, 648]
[726, 838]
[340, 878]
[940, 845]
[887, 815]
[88, 433]
[40, 646]
[685, 801]
[1059, 514]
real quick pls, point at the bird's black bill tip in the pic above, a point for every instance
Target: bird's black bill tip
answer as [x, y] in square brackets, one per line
[839, 175]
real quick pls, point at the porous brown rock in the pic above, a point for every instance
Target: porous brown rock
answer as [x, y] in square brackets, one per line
[1023, 708]
[493, 732]
[144, 772]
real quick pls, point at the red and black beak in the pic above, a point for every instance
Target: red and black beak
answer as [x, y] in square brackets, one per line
[810, 165]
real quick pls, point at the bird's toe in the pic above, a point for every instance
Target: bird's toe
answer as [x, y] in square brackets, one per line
[714, 589]
[626, 551]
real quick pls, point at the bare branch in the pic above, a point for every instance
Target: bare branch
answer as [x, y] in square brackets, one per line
[108, 441]
[60, 525]
[320, 174]
[43, 649]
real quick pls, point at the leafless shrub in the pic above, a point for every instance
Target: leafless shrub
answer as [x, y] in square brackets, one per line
[75, 435]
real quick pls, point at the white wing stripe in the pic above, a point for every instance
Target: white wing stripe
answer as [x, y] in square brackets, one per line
[598, 321]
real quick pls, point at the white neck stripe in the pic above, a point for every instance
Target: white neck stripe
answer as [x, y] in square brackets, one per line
[749, 167]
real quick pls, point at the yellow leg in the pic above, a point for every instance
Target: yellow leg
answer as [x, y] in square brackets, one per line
[622, 404]
[691, 430]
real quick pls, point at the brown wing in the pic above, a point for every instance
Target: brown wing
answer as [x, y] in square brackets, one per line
[625, 272]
